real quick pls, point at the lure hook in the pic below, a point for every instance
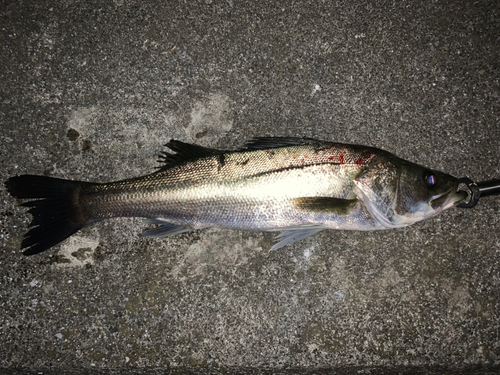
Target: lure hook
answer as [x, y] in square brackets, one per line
[477, 190]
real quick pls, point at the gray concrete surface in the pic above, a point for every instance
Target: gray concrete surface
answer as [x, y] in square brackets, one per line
[92, 90]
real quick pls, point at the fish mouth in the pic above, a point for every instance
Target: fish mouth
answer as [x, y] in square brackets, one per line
[448, 199]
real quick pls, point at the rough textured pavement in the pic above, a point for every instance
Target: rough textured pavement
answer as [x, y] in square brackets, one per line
[92, 90]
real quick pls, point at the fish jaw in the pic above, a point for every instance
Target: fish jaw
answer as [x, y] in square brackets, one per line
[449, 199]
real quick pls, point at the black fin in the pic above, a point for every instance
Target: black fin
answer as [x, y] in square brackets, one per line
[54, 214]
[184, 152]
[325, 205]
[260, 143]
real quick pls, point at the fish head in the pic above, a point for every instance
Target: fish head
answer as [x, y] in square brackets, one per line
[398, 193]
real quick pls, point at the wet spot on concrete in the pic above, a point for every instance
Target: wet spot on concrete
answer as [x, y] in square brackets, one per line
[72, 135]
[86, 145]
[210, 120]
[77, 251]
[217, 249]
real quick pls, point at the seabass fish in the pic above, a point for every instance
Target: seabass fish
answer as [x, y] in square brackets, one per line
[293, 185]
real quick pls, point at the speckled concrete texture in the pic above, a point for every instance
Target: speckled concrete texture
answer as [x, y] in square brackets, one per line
[92, 90]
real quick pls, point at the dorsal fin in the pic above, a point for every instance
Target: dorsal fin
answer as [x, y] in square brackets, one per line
[184, 152]
[260, 143]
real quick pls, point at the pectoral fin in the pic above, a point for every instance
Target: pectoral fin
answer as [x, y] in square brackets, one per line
[325, 205]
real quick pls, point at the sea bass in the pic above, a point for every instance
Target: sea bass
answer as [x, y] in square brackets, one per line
[298, 186]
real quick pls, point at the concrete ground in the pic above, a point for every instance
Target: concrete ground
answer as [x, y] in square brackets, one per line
[91, 90]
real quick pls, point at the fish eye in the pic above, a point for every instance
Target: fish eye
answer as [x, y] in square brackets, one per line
[430, 179]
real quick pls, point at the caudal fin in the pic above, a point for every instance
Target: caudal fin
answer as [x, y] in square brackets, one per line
[55, 216]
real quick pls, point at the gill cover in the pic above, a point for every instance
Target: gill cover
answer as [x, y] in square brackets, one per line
[398, 193]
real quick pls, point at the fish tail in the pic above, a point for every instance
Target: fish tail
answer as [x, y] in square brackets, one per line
[56, 215]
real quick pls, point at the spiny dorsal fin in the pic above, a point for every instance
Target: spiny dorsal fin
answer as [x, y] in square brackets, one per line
[184, 152]
[260, 143]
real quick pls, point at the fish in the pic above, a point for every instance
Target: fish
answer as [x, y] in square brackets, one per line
[296, 186]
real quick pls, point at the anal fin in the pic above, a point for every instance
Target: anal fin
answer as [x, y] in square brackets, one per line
[164, 229]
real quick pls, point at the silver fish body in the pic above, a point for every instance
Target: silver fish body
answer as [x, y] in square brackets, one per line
[298, 186]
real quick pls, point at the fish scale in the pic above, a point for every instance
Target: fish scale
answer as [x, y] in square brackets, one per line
[269, 180]
[298, 186]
